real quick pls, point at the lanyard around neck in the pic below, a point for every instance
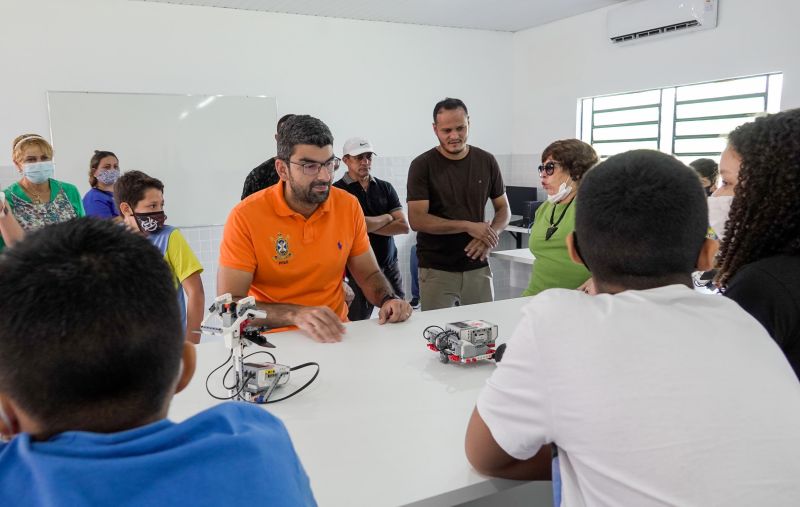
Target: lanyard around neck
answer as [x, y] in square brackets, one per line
[554, 226]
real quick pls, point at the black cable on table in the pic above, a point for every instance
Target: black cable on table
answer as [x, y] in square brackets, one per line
[295, 368]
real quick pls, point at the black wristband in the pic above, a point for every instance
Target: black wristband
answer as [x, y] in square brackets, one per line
[386, 298]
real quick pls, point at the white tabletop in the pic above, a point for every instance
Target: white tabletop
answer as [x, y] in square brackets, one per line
[384, 422]
[521, 255]
[515, 228]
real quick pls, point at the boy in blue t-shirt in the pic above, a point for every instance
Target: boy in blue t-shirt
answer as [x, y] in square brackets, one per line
[140, 199]
[91, 352]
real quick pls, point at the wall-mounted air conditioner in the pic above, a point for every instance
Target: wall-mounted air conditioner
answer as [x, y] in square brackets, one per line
[643, 19]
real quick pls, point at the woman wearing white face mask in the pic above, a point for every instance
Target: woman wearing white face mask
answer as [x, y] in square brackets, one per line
[563, 165]
[37, 199]
[759, 259]
[103, 173]
[719, 203]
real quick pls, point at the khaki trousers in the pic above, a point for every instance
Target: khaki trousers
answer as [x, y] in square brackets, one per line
[445, 289]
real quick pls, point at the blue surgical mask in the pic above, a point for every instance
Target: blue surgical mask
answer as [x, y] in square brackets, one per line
[38, 172]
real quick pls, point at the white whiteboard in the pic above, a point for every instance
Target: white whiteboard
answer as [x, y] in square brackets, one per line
[200, 147]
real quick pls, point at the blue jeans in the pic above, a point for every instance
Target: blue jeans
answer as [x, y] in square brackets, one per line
[414, 265]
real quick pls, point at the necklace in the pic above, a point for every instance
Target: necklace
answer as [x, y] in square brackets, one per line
[554, 226]
[35, 197]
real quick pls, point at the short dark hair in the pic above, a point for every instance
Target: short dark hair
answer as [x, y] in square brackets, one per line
[706, 168]
[574, 155]
[641, 219]
[302, 129]
[131, 187]
[449, 104]
[283, 119]
[91, 333]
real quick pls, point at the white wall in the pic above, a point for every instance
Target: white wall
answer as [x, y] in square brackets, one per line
[557, 63]
[379, 80]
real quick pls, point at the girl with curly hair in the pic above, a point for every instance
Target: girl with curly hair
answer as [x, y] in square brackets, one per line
[759, 259]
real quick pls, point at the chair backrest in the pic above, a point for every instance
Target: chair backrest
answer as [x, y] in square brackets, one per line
[528, 211]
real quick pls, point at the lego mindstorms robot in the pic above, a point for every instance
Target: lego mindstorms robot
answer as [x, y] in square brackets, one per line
[468, 341]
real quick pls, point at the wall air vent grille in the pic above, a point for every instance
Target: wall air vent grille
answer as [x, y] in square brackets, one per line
[655, 31]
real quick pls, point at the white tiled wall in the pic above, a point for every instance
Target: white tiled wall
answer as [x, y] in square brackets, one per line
[205, 241]
[517, 170]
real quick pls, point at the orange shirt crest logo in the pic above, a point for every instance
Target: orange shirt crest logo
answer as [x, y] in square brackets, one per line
[282, 253]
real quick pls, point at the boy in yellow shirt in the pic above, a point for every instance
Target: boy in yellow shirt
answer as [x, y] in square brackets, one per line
[140, 199]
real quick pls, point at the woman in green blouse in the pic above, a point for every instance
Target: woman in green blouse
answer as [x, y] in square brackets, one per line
[37, 200]
[564, 163]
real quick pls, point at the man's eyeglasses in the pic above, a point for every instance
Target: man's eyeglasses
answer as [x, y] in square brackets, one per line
[313, 168]
[548, 168]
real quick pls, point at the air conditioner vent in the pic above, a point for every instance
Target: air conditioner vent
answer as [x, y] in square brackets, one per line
[655, 31]
[643, 20]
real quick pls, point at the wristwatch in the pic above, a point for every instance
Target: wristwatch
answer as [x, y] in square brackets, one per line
[386, 298]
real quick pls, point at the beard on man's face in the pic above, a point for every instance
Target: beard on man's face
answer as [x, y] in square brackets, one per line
[313, 193]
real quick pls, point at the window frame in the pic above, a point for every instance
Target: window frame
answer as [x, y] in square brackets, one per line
[668, 121]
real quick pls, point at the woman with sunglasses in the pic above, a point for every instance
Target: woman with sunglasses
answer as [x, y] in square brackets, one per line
[564, 163]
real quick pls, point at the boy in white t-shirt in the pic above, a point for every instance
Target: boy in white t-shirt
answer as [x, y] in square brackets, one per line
[653, 394]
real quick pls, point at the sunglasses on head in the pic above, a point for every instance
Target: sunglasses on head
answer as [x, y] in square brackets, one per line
[548, 168]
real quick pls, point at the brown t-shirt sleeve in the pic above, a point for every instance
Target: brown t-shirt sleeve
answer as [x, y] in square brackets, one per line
[417, 186]
[497, 187]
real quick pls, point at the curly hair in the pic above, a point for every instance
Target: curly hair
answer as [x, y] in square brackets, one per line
[764, 219]
[576, 156]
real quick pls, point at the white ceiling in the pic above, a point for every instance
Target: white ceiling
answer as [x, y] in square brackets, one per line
[501, 15]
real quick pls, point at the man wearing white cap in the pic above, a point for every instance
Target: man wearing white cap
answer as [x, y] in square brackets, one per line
[383, 213]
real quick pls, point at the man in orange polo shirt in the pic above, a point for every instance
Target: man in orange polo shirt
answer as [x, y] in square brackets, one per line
[288, 245]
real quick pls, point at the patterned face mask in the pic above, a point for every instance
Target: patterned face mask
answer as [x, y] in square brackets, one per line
[150, 222]
[107, 176]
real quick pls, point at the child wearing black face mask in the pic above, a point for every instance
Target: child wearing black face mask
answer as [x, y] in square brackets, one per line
[140, 200]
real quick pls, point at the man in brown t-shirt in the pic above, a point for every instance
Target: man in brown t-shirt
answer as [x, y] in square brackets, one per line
[448, 187]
